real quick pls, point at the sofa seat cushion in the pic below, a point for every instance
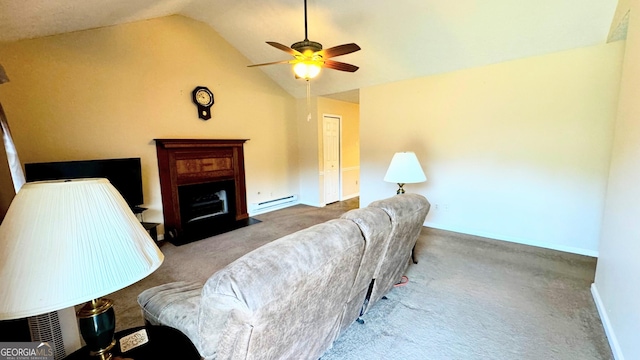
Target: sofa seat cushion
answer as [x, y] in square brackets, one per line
[174, 304]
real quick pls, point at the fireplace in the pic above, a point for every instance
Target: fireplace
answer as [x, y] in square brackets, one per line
[203, 189]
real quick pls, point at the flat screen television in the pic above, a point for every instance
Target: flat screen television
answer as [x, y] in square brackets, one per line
[124, 174]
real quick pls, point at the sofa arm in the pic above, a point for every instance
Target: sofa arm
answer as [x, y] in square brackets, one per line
[174, 304]
[224, 327]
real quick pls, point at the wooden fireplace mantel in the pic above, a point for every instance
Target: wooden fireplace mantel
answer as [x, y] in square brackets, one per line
[198, 161]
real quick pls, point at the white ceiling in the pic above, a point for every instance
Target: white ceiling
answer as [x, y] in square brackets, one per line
[400, 39]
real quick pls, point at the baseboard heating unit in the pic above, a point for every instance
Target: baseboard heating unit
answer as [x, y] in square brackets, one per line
[274, 204]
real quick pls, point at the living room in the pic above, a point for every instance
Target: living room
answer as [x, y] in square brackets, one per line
[537, 150]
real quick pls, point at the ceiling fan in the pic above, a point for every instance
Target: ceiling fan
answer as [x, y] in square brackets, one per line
[309, 56]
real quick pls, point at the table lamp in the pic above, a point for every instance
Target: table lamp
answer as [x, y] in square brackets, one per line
[404, 169]
[63, 243]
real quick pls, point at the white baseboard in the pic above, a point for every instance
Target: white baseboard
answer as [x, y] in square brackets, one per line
[273, 208]
[568, 249]
[608, 330]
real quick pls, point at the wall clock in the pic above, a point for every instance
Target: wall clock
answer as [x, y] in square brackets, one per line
[203, 98]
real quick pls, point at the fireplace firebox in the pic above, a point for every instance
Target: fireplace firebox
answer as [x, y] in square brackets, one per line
[205, 201]
[203, 188]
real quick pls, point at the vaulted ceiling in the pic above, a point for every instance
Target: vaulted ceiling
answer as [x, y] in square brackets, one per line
[400, 39]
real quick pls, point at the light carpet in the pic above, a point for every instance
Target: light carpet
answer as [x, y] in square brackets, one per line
[467, 298]
[475, 298]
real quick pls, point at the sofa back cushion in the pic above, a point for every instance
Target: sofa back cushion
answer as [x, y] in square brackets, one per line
[285, 299]
[407, 213]
[375, 226]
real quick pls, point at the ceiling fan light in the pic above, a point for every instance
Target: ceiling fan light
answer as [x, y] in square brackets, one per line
[307, 69]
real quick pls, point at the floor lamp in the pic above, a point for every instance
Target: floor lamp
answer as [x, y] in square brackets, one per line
[63, 243]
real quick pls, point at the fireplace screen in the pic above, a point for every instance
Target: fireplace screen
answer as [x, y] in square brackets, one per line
[204, 207]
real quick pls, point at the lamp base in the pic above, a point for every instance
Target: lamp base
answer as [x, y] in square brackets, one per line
[97, 322]
[400, 189]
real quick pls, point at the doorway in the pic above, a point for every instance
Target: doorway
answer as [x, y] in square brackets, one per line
[331, 154]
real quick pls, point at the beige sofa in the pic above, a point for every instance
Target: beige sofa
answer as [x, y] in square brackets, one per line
[293, 297]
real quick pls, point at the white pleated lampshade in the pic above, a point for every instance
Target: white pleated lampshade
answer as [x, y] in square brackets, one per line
[66, 242]
[405, 169]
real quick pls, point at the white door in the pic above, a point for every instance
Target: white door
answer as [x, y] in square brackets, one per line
[331, 143]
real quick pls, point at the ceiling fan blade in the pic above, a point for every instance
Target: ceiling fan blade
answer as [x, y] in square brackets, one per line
[339, 50]
[336, 65]
[284, 48]
[272, 63]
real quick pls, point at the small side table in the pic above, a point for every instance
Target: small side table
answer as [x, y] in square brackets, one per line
[152, 229]
[164, 343]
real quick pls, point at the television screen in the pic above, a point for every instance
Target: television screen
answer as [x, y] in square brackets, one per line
[124, 174]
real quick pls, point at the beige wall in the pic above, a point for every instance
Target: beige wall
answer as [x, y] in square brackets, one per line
[109, 92]
[309, 164]
[311, 151]
[517, 151]
[617, 282]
